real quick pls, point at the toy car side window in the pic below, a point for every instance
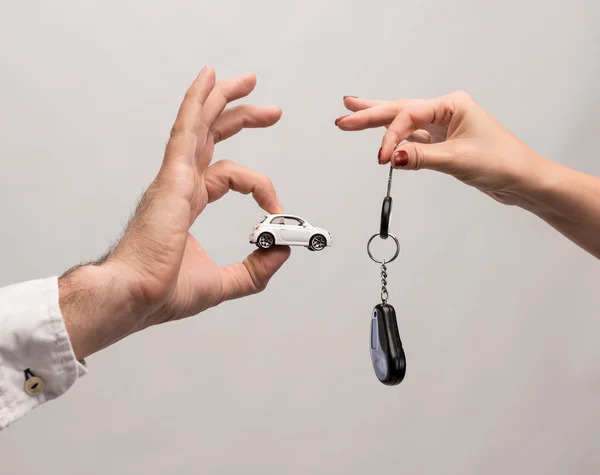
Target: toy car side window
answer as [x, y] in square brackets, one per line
[277, 220]
[292, 222]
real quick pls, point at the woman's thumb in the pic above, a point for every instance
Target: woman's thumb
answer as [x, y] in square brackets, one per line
[417, 156]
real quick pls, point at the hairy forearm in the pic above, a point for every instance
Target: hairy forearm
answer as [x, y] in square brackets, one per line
[95, 307]
[569, 201]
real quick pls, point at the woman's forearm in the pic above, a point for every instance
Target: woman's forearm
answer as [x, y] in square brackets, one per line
[569, 201]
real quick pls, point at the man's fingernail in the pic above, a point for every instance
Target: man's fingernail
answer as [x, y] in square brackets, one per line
[400, 158]
[340, 118]
[379, 155]
[350, 97]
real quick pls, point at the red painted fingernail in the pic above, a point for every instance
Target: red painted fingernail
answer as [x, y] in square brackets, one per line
[379, 156]
[340, 118]
[401, 158]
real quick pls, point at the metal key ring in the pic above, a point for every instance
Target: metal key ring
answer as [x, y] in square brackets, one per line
[384, 261]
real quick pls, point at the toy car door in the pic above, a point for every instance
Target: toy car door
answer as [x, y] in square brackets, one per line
[293, 231]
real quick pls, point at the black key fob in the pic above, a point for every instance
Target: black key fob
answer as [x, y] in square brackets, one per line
[387, 354]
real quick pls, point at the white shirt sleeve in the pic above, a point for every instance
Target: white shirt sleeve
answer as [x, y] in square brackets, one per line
[34, 343]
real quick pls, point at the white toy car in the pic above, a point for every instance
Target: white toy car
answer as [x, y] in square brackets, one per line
[289, 230]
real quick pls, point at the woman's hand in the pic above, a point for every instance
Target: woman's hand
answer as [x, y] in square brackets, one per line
[158, 272]
[451, 134]
[455, 135]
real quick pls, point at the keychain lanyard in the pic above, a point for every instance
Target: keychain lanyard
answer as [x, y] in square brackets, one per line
[387, 354]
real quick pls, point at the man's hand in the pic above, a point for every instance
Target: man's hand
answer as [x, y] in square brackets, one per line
[158, 272]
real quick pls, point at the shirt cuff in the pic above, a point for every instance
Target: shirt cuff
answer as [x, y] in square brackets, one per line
[37, 362]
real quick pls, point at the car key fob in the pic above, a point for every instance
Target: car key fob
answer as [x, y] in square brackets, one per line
[387, 354]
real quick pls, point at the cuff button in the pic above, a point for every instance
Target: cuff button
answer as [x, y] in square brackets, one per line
[34, 386]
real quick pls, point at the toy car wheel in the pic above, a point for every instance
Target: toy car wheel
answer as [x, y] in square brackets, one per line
[265, 241]
[318, 242]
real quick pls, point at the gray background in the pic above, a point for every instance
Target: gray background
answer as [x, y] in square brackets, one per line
[499, 314]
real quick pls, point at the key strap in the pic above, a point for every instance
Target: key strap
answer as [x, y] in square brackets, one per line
[386, 210]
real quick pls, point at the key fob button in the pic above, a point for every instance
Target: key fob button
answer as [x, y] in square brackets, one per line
[381, 368]
[374, 334]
